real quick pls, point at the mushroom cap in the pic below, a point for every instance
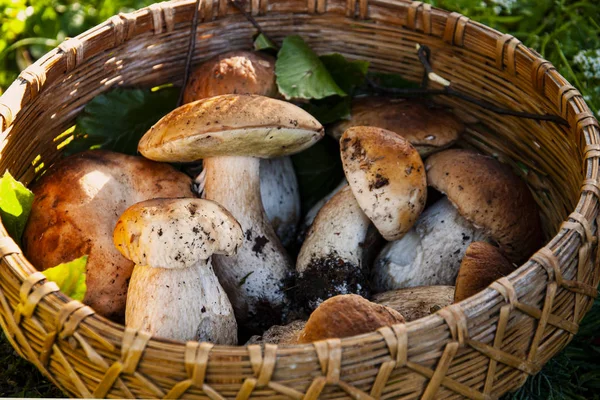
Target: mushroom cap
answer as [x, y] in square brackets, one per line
[428, 129]
[176, 233]
[417, 302]
[347, 315]
[387, 178]
[279, 334]
[231, 125]
[481, 265]
[238, 72]
[490, 196]
[76, 205]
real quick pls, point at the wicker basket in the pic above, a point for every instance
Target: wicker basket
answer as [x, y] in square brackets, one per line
[479, 348]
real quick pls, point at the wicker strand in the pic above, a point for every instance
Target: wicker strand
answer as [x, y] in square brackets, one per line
[73, 50]
[8, 246]
[35, 76]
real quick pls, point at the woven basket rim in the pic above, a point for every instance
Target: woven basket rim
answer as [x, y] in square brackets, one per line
[458, 29]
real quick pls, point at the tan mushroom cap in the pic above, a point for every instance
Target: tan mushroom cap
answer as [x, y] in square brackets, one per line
[231, 125]
[237, 72]
[387, 178]
[489, 195]
[426, 128]
[347, 315]
[176, 233]
[481, 265]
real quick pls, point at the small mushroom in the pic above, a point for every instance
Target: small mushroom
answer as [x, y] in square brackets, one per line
[333, 258]
[231, 133]
[387, 177]
[76, 205]
[347, 315]
[427, 128]
[174, 292]
[280, 196]
[234, 72]
[416, 302]
[481, 265]
[485, 201]
[245, 72]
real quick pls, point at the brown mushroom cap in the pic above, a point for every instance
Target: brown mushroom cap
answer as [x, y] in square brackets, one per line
[428, 129]
[231, 125]
[347, 315]
[76, 205]
[490, 196]
[481, 265]
[387, 178]
[416, 302]
[237, 72]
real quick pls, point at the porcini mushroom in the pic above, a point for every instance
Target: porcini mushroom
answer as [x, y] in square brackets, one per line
[246, 72]
[416, 302]
[231, 133]
[234, 72]
[427, 128]
[387, 177]
[481, 265]
[347, 315]
[174, 292]
[485, 201]
[333, 257]
[76, 205]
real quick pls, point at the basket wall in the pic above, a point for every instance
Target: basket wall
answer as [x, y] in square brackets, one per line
[479, 348]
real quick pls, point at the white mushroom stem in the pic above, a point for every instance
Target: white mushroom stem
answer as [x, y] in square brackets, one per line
[280, 196]
[332, 258]
[194, 292]
[312, 213]
[254, 278]
[430, 253]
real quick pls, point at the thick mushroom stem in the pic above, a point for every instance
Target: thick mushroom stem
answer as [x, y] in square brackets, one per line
[254, 278]
[332, 258]
[429, 254]
[280, 196]
[205, 306]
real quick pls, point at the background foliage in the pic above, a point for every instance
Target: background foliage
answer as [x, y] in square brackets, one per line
[566, 32]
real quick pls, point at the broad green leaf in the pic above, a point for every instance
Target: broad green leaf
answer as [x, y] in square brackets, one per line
[118, 119]
[347, 74]
[301, 74]
[319, 171]
[70, 277]
[15, 205]
[263, 43]
[391, 80]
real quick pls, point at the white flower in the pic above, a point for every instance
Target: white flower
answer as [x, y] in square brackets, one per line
[589, 63]
[504, 4]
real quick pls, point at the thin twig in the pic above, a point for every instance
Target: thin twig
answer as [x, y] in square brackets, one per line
[423, 53]
[191, 46]
[251, 19]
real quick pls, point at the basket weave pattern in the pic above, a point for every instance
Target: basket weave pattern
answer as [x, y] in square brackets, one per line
[479, 348]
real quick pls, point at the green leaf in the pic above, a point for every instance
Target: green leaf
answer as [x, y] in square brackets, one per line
[70, 277]
[263, 43]
[118, 119]
[347, 74]
[319, 171]
[301, 74]
[394, 81]
[15, 205]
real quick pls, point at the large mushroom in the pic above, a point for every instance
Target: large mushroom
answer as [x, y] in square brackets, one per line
[485, 201]
[173, 292]
[387, 187]
[231, 133]
[246, 72]
[427, 128]
[417, 302]
[76, 205]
